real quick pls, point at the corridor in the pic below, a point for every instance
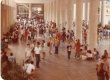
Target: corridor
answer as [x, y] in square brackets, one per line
[58, 67]
[55, 39]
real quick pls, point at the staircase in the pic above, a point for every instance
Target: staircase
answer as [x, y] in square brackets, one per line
[26, 6]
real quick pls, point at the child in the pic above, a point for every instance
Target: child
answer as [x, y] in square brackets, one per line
[11, 58]
[69, 47]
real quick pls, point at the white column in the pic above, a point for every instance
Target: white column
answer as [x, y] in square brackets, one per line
[93, 24]
[100, 7]
[15, 11]
[79, 14]
[103, 11]
[83, 18]
[62, 12]
[74, 12]
[88, 18]
[74, 17]
[50, 11]
[45, 11]
[54, 11]
[57, 13]
[69, 14]
[86, 12]
[52, 3]
[30, 11]
[1, 31]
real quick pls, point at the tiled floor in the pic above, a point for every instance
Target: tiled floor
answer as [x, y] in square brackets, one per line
[58, 67]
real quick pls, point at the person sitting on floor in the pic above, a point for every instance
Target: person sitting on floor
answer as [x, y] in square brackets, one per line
[25, 65]
[97, 56]
[30, 67]
[89, 55]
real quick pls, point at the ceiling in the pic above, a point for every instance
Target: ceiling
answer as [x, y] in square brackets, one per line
[43, 1]
[33, 1]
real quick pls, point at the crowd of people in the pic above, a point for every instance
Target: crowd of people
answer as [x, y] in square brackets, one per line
[28, 30]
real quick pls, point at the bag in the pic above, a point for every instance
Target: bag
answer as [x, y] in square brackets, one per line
[48, 44]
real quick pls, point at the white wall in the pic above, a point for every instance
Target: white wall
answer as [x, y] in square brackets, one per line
[106, 18]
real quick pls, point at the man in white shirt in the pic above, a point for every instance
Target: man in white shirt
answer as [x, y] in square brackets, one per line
[37, 54]
[28, 52]
[30, 67]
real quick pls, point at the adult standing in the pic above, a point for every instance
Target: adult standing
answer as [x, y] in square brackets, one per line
[22, 34]
[49, 44]
[77, 45]
[28, 52]
[56, 44]
[105, 67]
[43, 49]
[101, 72]
[37, 54]
[33, 46]
[63, 35]
[58, 35]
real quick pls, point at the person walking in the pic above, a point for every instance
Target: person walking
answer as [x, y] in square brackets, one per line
[56, 44]
[28, 52]
[49, 44]
[69, 47]
[37, 54]
[43, 49]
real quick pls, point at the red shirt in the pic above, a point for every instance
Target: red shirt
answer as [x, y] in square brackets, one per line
[26, 33]
[58, 35]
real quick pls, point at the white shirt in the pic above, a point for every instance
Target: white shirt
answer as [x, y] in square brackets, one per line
[32, 46]
[89, 55]
[11, 58]
[29, 33]
[22, 31]
[69, 47]
[24, 21]
[94, 52]
[28, 52]
[25, 66]
[21, 26]
[37, 50]
[30, 68]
